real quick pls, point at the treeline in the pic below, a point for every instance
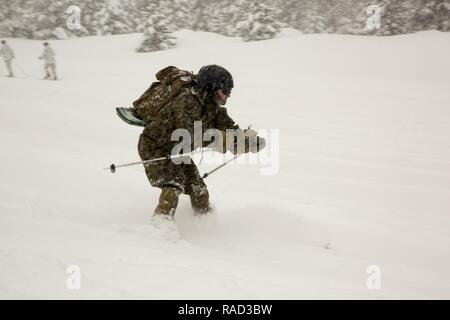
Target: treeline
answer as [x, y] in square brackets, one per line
[251, 20]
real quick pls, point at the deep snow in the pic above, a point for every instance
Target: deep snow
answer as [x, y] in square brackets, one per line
[364, 172]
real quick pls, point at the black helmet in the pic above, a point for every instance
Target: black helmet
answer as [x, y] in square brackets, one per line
[213, 77]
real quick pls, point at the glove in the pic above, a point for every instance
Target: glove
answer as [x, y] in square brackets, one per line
[261, 143]
[250, 132]
[256, 144]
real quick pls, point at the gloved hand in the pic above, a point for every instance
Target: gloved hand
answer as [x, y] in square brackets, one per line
[250, 132]
[256, 144]
[261, 143]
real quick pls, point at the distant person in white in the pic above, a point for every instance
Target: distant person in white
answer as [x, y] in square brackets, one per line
[50, 63]
[8, 55]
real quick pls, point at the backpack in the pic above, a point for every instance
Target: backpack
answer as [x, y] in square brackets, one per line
[171, 81]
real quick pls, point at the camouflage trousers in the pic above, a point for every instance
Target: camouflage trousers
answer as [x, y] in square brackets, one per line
[173, 179]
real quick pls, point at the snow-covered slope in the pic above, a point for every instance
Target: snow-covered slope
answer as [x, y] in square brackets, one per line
[364, 172]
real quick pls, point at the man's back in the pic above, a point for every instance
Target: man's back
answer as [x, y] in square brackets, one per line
[191, 105]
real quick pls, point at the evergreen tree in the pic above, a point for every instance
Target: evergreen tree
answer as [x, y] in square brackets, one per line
[314, 20]
[51, 18]
[6, 19]
[291, 12]
[88, 11]
[425, 15]
[22, 22]
[231, 16]
[443, 14]
[178, 12]
[395, 17]
[114, 18]
[342, 18]
[157, 34]
[260, 23]
[309, 16]
[431, 14]
[200, 15]
[215, 22]
[183, 13]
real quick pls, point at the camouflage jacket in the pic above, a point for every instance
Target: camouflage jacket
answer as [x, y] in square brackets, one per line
[190, 105]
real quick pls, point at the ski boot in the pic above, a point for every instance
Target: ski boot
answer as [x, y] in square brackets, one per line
[200, 203]
[168, 201]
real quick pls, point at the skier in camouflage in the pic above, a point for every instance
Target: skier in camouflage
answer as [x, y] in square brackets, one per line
[200, 100]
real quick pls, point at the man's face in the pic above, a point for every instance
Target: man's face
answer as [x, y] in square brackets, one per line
[222, 96]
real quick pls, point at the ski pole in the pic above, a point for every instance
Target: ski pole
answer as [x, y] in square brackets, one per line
[207, 174]
[113, 166]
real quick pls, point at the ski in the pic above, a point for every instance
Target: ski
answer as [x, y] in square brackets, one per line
[130, 116]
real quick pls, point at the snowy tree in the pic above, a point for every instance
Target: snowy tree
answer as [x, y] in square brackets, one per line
[88, 11]
[306, 15]
[342, 18]
[183, 13]
[395, 17]
[443, 13]
[157, 34]
[50, 17]
[114, 18]
[291, 12]
[177, 12]
[20, 19]
[40, 19]
[215, 22]
[314, 21]
[200, 15]
[6, 19]
[231, 16]
[260, 23]
[431, 14]
[425, 15]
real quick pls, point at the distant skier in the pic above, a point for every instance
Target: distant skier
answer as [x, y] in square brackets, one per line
[50, 63]
[187, 98]
[8, 55]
